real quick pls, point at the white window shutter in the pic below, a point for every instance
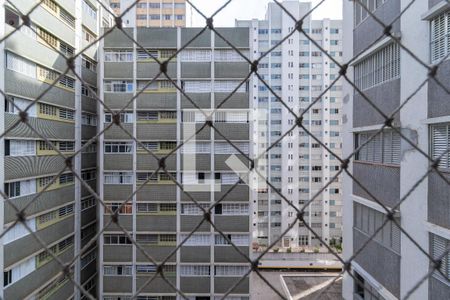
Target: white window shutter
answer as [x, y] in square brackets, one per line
[440, 144]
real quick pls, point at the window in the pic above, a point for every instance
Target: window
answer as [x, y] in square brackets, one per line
[236, 239]
[378, 68]
[368, 220]
[66, 146]
[118, 178]
[440, 143]
[195, 55]
[118, 56]
[224, 86]
[194, 270]
[19, 271]
[383, 148]
[20, 188]
[231, 209]
[360, 13]
[230, 270]
[88, 203]
[117, 270]
[88, 119]
[58, 248]
[223, 55]
[47, 38]
[66, 178]
[66, 49]
[303, 240]
[231, 117]
[89, 10]
[88, 258]
[125, 117]
[66, 17]
[67, 82]
[66, 114]
[88, 91]
[227, 148]
[20, 147]
[197, 86]
[440, 33]
[89, 175]
[15, 105]
[196, 239]
[46, 109]
[119, 86]
[155, 115]
[18, 231]
[439, 246]
[87, 36]
[193, 209]
[121, 208]
[89, 64]
[20, 65]
[118, 147]
[116, 239]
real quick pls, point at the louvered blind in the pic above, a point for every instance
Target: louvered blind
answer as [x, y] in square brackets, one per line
[438, 247]
[440, 30]
[440, 143]
[384, 147]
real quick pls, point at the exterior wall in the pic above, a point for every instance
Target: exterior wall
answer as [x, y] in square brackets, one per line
[32, 167]
[146, 16]
[395, 274]
[166, 192]
[274, 215]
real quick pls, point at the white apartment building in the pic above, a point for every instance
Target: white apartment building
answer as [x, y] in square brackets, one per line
[390, 172]
[297, 165]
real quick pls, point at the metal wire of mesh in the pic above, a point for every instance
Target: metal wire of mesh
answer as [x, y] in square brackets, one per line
[66, 269]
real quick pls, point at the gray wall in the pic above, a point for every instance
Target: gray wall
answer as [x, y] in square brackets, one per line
[45, 201]
[381, 263]
[372, 177]
[27, 245]
[369, 30]
[30, 166]
[158, 253]
[385, 96]
[438, 99]
[33, 281]
[438, 200]
[437, 289]
[28, 87]
[48, 128]
[195, 254]
[223, 284]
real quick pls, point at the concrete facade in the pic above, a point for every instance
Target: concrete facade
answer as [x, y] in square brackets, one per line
[64, 214]
[298, 167]
[388, 167]
[160, 215]
[151, 13]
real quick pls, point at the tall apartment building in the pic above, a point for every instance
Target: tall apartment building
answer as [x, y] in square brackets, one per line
[298, 166]
[391, 265]
[151, 13]
[64, 215]
[159, 216]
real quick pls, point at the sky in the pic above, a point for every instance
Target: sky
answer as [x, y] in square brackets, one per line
[249, 9]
